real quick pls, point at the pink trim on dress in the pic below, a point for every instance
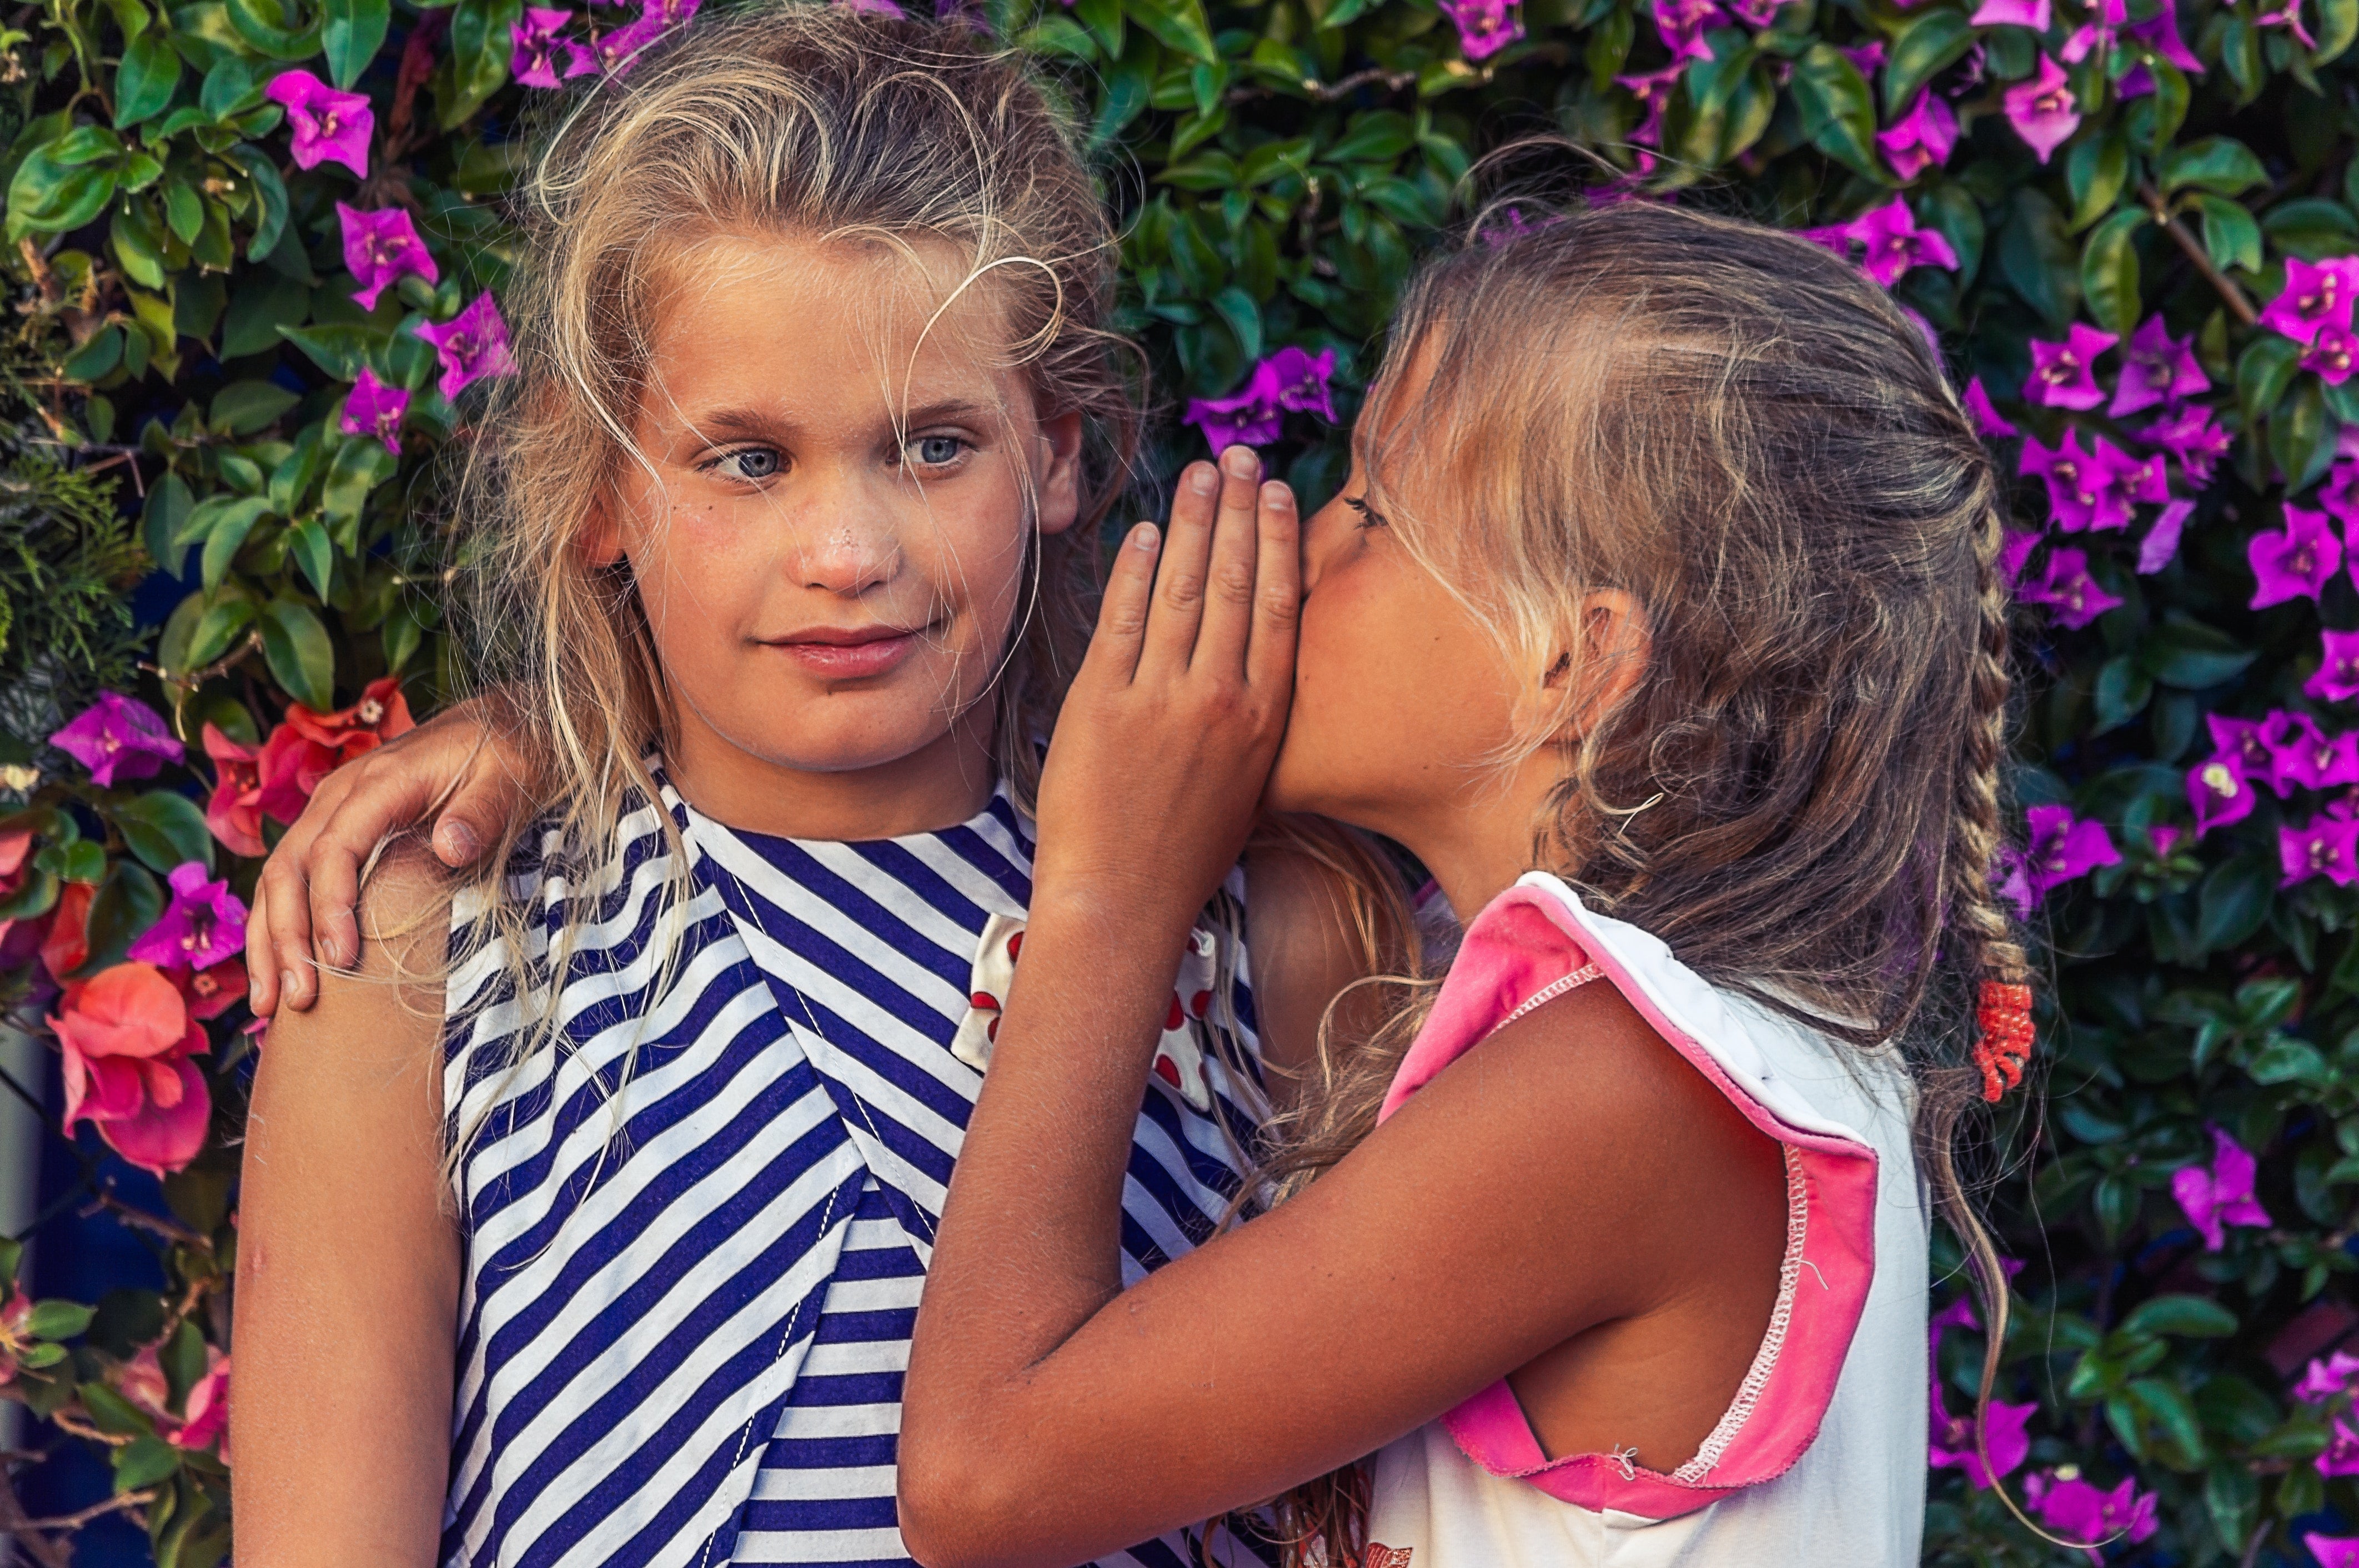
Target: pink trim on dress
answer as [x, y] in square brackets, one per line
[1531, 945]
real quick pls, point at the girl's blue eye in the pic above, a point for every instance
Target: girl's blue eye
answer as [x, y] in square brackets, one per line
[753, 462]
[934, 451]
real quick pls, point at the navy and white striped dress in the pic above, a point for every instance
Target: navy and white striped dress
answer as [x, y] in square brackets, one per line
[696, 1222]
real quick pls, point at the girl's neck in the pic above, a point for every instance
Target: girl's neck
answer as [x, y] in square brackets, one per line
[940, 784]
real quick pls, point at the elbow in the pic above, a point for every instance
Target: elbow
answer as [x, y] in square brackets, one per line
[958, 1508]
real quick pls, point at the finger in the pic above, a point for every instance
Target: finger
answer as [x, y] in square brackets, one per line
[1277, 590]
[261, 978]
[385, 797]
[1113, 657]
[478, 807]
[286, 958]
[1178, 604]
[1229, 581]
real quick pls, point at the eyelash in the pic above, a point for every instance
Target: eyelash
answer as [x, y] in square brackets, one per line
[1369, 516]
[718, 465]
[909, 450]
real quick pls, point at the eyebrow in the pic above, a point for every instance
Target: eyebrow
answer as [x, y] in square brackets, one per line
[743, 422]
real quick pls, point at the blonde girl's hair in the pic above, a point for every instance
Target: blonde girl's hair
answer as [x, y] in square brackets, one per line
[1802, 793]
[914, 139]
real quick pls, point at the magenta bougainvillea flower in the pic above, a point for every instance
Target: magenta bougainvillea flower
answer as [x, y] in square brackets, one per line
[2162, 838]
[2145, 479]
[2194, 438]
[2085, 489]
[381, 249]
[204, 923]
[2219, 792]
[2015, 549]
[2333, 1551]
[1254, 415]
[2007, 1436]
[1681, 25]
[1653, 90]
[2043, 111]
[2337, 679]
[330, 127]
[2157, 368]
[2062, 847]
[1988, 421]
[2074, 1508]
[2316, 295]
[619, 48]
[1923, 138]
[1304, 380]
[2288, 17]
[2076, 596]
[1484, 26]
[2222, 1194]
[2326, 1377]
[1756, 13]
[2251, 742]
[472, 344]
[2064, 374]
[2330, 353]
[2296, 561]
[2341, 1455]
[373, 408]
[2160, 33]
[1895, 244]
[118, 737]
[2310, 758]
[2160, 546]
[2032, 14]
[542, 57]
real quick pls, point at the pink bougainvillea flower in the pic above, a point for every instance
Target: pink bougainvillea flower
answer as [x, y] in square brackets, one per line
[2330, 353]
[1987, 421]
[2160, 546]
[2222, 1194]
[2015, 549]
[381, 249]
[16, 1329]
[204, 923]
[2294, 563]
[330, 127]
[2324, 846]
[2161, 35]
[204, 1416]
[2072, 1508]
[2191, 435]
[472, 345]
[1923, 138]
[542, 56]
[2043, 111]
[2310, 758]
[2076, 596]
[2063, 847]
[373, 408]
[1653, 90]
[2007, 1435]
[210, 993]
[2219, 792]
[249, 783]
[2032, 14]
[2326, 1376]
[1486, 26]
[2085, 489]
[2333, 1551]
[1681, 25]
[2316, 294]
[1895, 244]
[1302, 380]
[2064, 374]
[2157, 368]
[127, 1038]
[118, 737]
[2337, 679]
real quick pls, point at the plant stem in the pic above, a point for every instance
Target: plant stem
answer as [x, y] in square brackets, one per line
[2239, 305]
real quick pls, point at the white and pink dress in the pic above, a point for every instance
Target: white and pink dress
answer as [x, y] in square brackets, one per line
[1821, 1456]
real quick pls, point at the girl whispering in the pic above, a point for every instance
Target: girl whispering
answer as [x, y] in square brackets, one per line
[585, 1210]
[1661, 619]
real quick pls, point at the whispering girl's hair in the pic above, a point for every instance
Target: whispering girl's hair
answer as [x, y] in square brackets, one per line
[908, 139]
[1801, 792]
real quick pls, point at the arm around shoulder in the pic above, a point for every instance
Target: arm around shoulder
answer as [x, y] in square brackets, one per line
[348, 1259]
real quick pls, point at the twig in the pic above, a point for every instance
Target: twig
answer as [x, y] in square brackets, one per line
[140, 1219]
[1327, 93]
[2253, 1547]
[97, 1510]
[66, 1421]
[2239, 306]
[196, 678]
[15, 1525]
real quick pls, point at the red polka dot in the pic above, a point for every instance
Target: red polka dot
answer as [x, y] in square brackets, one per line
[1168, 1070]
[1175, 1018]
[984, 1001]
[1199, 1003]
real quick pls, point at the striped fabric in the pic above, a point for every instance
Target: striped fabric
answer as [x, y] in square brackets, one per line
[696, 1223]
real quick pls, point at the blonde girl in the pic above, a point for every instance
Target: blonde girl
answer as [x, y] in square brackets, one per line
[1660, 619]
[586, 1209]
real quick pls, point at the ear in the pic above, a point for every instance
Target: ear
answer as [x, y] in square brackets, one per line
[1059, 477]
[601, 541]
[1598, 662]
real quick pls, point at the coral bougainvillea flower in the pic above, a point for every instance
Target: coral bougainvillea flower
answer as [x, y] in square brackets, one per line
[373, 408]
[2337, 679]
[2076, 596]
[1484, 26]
[542, 56]
[1987, 421]
[381, 249]
[254, 782]
[2323, 847]
[2064, 374]
[330, 127]
[2316, 295]
[118, 737]
[472, 345]
[127, 1038]
[2062, 847]
[2160, 546]
[2192, 437]
[2219, 792]
[2072, 1508]
[203, 924]
[2296, 561]
[1895, 244]
[1923, 138]
[2043, 111]
[2085, 489]
[2220, 1195]
[382, 713]
[2157, 369]
[65, 947]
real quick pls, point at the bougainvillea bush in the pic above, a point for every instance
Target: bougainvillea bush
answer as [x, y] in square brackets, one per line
[257, 249]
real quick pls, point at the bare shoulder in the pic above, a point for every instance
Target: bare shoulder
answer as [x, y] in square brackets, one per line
[1306, 941]
[386, 1011]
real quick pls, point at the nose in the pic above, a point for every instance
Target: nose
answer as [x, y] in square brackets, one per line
[843, 540]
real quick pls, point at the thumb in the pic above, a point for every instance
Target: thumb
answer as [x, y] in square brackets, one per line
[471, 821]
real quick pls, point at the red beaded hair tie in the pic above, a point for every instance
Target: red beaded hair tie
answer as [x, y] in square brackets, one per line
[2004, 1018]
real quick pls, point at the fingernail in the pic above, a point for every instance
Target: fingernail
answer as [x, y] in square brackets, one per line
[287, 984]
[1143, 537]
[1276, 493]
[1201, 479]
[1241, 460]
[458, 842]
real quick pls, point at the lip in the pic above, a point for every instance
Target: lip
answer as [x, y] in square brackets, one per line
[848, 653]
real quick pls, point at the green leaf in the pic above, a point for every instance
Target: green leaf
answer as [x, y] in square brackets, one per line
[2230, 235]
[2265, 372]
[2095, 172]
[265, 27]
[341, 349]
[142, 1462]
[164, 830]
[222, 618]
[2038, 262]
[2109, 272]
[52, 192]
[2166, 1404]
[228, 535]
[351, 32]
[2301, 437]
[1177, 25]
[1928, 44]
[2286, 1059]
[145, 80]
[301, 659]
[308, 542]
[1236, 308]
[1838, 111]
[2338, 27]
[242, 407]
[2218, 164]
[480, 46]
[169, 506]
[2235, 901]
[58, 1320]
[359, 467]
[272, 191]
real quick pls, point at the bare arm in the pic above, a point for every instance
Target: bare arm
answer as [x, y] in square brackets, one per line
[348, 1266]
